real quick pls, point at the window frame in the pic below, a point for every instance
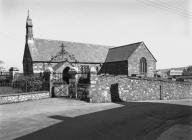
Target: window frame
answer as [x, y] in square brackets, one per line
[143, 65]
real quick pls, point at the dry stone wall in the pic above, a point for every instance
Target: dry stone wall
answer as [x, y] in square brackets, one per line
[102, 89]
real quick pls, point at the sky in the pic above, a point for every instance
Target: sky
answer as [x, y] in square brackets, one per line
[165, 26]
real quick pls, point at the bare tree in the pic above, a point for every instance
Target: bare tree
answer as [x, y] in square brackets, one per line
[1, 67]
[1, 62]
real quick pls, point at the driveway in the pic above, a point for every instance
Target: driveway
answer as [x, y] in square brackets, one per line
[59, 118]
[26, 117]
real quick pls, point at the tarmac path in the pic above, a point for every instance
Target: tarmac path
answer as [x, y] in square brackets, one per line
[59, 118]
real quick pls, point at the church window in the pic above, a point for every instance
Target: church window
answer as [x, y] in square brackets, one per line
[143, 66]
[84, 69]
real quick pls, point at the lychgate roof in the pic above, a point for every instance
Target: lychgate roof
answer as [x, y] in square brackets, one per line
[44, 49]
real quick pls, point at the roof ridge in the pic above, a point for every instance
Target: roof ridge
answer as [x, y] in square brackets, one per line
[106, 46]
[82, 52]
[127, 45]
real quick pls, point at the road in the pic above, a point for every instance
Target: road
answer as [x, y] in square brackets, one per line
[59, 118]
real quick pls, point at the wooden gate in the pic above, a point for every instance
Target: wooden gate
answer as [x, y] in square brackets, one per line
[61, 88]
[75, 89]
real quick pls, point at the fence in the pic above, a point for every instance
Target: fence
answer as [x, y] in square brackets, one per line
[25, 84]
[5, 79]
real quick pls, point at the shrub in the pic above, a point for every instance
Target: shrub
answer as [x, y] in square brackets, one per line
[187, 71]
[29, 84]
[5, 80]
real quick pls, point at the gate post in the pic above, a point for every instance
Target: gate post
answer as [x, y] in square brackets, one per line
[76, 83]
[93, 76]
[160, 92]
[51, 91]
[49, 71]
[93, 82]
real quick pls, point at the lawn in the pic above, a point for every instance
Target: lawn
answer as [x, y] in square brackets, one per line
[8, 90]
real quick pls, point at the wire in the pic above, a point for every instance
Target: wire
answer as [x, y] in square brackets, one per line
[164, 6]
[177, 9]
[170, 9]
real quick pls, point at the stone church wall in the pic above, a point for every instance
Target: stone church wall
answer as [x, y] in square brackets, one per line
[132, 89]
[39, 67]
[134, 61]
[116, 68]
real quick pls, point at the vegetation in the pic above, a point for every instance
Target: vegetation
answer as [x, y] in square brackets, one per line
[32, 83]
[1, 68]
[187, 71]
[1, 62]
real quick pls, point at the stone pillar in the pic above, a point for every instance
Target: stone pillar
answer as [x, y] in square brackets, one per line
[93, 76]
[51, 88]
[93, 82]
[12, 72]
[50, 71]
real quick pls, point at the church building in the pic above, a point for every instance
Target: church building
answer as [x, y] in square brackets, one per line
[39, 54]
[132, 60]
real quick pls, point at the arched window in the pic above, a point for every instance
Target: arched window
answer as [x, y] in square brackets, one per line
[143, 66]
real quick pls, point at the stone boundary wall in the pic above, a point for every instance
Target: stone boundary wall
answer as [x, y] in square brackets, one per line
[106, 88]
[14, 98]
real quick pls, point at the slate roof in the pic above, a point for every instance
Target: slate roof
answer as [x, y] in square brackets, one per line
[121, 53]
[43, 49]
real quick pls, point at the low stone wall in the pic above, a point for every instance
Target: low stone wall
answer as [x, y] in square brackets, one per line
[14, 98]
[110, 88]
[133, 90]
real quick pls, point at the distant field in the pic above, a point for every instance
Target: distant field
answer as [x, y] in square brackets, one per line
[8, 90]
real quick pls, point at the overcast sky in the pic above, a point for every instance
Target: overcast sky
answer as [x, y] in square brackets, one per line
[164, 25]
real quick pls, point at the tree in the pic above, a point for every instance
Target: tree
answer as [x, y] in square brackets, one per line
[187, 71]
[1, 62]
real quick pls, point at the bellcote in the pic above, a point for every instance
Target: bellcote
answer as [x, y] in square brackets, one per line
[29, 28]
